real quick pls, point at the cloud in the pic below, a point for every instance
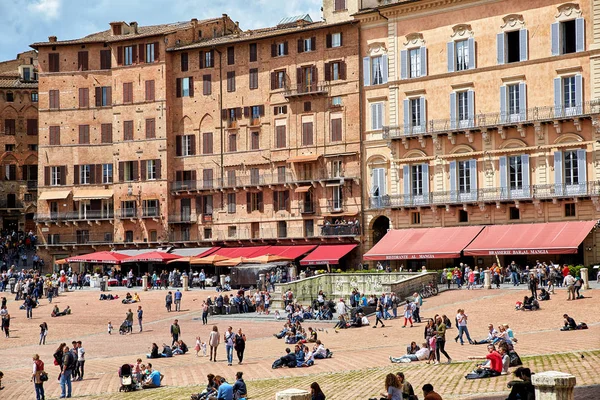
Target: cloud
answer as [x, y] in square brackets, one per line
[48, 8]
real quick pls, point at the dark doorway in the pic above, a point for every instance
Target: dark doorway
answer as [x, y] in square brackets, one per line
[10, 224]
[380, 228]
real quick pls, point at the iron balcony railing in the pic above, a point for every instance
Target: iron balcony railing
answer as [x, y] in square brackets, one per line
[95, 215]
[126, 213]
[533, 192]
[307, 207]
[183, 218]
[11, 205]
[334, 206]
[307, 89]
[490, 120]
[150, 212]
[341, 229]
[83, 237]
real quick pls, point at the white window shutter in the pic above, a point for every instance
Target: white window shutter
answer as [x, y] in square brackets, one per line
[453, 181]
[423, 61]
[503, 111]
[579, 35]
[555, 37]
[451, 58]
[407, 127]
[423, 103]
[579, 93]
[503, 177]
[404, 64]
[581, 168]
[380, 115]
[426, 182]
[406, 182]
[471, 100]
[523, 45]
[472, 55]
[558, 174]
[557, 97]
[525, 170]
[374, 116]
[366, 71]
[523, 101]
[382, 182]
[500, 42]
[384, 68]
[453, 110]
[375, 182]
[473, 173]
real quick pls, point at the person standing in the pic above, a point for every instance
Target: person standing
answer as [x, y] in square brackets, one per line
[6, 324]
[240, 345]
[461, 322]
[168, 301]
[418, 302]
[140, 316]
[129, 319]
[228, 337]
[533, 285]
[75, 355]
[213, 341]
[204, 313]
[202, 279]
[29, 303]
[38, 383]
[178, 296]
[68, 365]
[569, 282]
[379, 315]
[43, 332]
[80, 360]
[175, 331]
[408, 312]
[440, 340]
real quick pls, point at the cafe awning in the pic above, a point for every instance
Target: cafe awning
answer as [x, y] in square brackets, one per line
[152, 256]
[292, 252]
[302, 189]
[247, 252]
[542, 238]
[92, 194]
[423, 243]
[100, 257]
[54, 195]
[304, 158]
[327, 254]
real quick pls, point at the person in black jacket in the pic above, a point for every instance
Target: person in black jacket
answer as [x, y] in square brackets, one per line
[523, 389]
[288, 360]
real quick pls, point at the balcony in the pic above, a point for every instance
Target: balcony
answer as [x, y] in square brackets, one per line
[488, 195]
[74, 216]
[11, 205]
[150, 212]
[32, 185]
[232, 124]
[310, 89]
[183, 186]
[307, 207]
[182, 218]
[82, 238]
[254, 122]
[482, 121]
[335, 206]
[342, 229]
[128, 213]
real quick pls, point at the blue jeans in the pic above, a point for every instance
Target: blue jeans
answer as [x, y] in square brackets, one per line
[462, 330]
[515, 278]
[229, 350]
[29, 312]
[39, 391]
[65, 380]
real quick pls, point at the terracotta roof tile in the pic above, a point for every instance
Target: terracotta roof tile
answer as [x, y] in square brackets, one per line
[16, 83]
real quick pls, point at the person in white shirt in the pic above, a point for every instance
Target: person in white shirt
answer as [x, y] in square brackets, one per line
[569, 282]
[340, 308]
[320, 351]
[80, 360]
[420, 355]
[492, 333]
[461, 322]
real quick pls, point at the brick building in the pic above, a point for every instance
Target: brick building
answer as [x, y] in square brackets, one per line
[197, 133]
[18, 141]
[481, 113]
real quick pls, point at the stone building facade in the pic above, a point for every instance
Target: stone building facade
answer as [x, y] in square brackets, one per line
[480, 113]
[18, 142]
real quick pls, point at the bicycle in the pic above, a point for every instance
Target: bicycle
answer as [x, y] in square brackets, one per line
[429, 290]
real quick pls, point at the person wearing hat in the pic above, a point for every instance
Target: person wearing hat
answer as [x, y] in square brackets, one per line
[341, 307]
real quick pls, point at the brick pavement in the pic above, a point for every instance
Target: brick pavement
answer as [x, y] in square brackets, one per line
[538, 333]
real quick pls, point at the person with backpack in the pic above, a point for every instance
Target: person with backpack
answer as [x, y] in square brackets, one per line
[168, 301]
[240, 345]
[68, 366]
[175, 331]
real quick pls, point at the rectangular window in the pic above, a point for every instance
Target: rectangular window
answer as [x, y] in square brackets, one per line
[336, 71]
[281, 200]
[231, 178]
[150, 128]
[82, 61]
[232, 231]
[150, 170]
[85, 174]
[463, 107]
[462, 55]
[416, 180]
[84, 134]
[107, 173]
[106, 133]
[207, 59]
[513, 46]
[127, 92]
[307, 134]
[54, 99]
[570, 210]
[207, 178]
[231, 81]
[207, 143]
[571, 168]
[569, 93]
[339, 5]
[253, 78]
[336, 169]
[254, 141]
[128, 55]
[84, 97]
[415, 114]
[230, 55]
[105, 59]
[415, 61]
[127, 130]
[184, 62]
[464, 176]
[255, 202]
[10, 126]
[185, 87]
[376, 116]
[280, 139]
[150, 49]
[150, 208]
[32, 126]
[34, 97]
[376, 70]
[129, 171]
[515, 172]
[254, 176]
[336, 39]
[336, 101]
[103, 96]
[514, 213]
[336, 130]
[188, 145]
[415, 218]
[568, 37]
[149, 90]
[253, 52]
[232, 143]
[281, 229]
[206, 85]
[55, 176]
[53, 62]
[54, 135]
[231, 205]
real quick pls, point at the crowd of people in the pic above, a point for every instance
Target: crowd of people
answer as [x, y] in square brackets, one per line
[71, 363]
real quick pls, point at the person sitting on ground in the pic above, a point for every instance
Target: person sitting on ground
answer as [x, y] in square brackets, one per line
[108, 297]
[313, 335]
[154, 379]
[502, 335]
[211, 389]
[283, 332]
[299, 352]
[407, 390]
[420, 354]
[511, 334]
[136, 298]
[393, 388]
[503, 351]
[429, 393]
[492, 367]
[180, 348]
[522, 389]
[356, 321]
[167, 351]
[289, 360]
[492, 333]
[309, 359]
[544, 295]
[153, 352]
[341, 324]
[56, 313]
[569, 324]
[128, 298]
[239, 387]
[225, 391]
[530, 303]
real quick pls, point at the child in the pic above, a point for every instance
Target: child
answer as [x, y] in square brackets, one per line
[110, 328]
[197, 347]
[138, 370]
[277, 317]
[203, 345]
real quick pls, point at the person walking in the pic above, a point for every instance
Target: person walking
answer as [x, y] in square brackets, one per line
[408, 312]
[43, 332]
[379, 315]
[461, 323]
[129, 319]
[168, 301]
[175, 331]
[38, 371]
[440, 340]
[204, 313]
[80, 360]
[140, 316]
[213, 341]
[240, 345]
[178, 296]
[229, 337]
[6, 324]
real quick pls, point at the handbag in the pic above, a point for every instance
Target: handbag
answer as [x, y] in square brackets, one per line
[43, 376]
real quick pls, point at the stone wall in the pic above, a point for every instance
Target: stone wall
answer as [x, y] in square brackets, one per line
[337, 286]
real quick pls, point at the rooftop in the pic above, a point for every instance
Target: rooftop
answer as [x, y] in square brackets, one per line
[14, 82]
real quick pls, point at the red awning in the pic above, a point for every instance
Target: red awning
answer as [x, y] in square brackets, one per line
[207, 252]
[247, 252]
[292, 252]
[327, 254]
[423, 243]
[152, 256]
[100, 257]
[543, 238]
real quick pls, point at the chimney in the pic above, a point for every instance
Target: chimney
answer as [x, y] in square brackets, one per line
[194, 23]
[52, 39]
[134, 25]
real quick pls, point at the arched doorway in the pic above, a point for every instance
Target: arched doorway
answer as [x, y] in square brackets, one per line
[380, 228]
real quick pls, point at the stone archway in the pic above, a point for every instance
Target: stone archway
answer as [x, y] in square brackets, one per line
[379, 228]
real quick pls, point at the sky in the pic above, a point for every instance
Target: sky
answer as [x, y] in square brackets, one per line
[23, 22]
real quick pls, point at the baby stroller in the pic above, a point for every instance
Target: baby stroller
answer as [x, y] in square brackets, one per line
[127, 383]
[124, 328]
